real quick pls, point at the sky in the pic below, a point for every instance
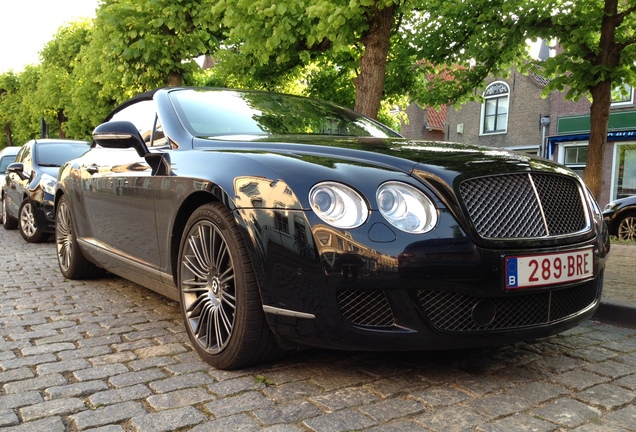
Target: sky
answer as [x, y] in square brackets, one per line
[27, 25]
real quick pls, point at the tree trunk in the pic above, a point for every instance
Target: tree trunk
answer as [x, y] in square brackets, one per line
[175, 79]
[61, 118]
[7, 133]
[609, 57]
[370, 82]
[599, 116]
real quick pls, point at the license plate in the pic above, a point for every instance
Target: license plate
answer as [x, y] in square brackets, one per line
[527, 271]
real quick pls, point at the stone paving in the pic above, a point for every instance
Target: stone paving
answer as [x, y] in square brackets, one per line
[108, 356]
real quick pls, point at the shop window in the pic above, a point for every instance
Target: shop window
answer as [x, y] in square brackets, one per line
[575, 157]
[625, 170]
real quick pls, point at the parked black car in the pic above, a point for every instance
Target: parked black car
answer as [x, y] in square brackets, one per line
[29, 186]
[620, 216]
[7, 156]
[279, 221]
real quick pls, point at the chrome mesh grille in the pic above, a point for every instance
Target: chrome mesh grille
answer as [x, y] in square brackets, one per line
[453, 312]
[514, 205]
[366, 308]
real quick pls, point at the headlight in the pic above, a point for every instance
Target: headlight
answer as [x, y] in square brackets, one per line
[47, 183]
[338, 205]
[406, 208]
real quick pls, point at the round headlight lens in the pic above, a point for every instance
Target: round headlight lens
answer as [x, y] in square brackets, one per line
[338, 205]
[406, 208]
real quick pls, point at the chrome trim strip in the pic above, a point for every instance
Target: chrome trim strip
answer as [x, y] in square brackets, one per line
[540, 204]
[287, 312]
[130, 260]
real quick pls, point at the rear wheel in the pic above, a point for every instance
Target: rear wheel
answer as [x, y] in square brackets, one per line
[28, 225]
[70, 258]
[220, 299]
[8, 222]
[627, 227]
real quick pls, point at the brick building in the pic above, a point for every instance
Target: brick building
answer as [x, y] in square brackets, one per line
[515, 116]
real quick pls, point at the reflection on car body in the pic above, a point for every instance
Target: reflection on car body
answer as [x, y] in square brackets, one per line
[278, 222]
[7, 156]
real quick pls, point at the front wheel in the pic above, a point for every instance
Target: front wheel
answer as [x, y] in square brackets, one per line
[627, 227]
[73, 264]
[220, 299]
[29, 228]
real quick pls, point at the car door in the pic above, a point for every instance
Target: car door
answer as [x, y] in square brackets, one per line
[118, 193]
[16, 185]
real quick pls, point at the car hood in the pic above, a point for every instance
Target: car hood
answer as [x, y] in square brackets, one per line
[52, 171]
[443, 160]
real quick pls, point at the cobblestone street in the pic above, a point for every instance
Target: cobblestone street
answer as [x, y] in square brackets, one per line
[108, 355]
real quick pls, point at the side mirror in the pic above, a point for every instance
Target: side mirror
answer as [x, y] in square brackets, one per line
[121, 135]
[18, 169]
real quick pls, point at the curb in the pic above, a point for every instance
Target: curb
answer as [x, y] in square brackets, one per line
[616, 313]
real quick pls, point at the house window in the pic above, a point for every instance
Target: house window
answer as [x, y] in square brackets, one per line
[575, 157]
[494, 111]
[623, 95]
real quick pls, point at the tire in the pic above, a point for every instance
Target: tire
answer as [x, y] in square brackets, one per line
[8, 222]
[626, 227]
[72, 262]
[28, 226]
[220, 300]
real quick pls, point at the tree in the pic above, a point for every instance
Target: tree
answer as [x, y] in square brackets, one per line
[285, 35]
[9, 85]
[153, 42]
[598, 56]
[598, 40]
[412, 47]
[59, 56]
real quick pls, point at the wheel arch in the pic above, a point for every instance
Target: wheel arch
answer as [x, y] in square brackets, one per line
[189, 205]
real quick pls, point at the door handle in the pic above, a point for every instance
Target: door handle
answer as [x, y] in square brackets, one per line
[92, 169]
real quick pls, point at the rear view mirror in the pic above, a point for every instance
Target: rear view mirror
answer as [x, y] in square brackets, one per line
[121, 135]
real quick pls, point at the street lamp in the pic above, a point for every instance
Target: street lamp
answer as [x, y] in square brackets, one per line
[544, 121]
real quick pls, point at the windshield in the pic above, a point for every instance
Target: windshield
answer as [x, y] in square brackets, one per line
[56, 154]
[209, 113]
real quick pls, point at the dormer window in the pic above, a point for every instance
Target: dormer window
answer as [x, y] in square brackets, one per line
[494, 111]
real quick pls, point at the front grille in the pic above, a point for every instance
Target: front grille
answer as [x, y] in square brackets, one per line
[528, 205]
[455, 312]
[369, 308]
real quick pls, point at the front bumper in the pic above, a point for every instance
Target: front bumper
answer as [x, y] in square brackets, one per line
[438, 293]
[44, 214]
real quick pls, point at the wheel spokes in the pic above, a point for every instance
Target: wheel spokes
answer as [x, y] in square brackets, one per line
[208, 287]
[63, 237]
[627, 229]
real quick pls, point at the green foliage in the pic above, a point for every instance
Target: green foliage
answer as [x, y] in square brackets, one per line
[440, 51]
[150, 41]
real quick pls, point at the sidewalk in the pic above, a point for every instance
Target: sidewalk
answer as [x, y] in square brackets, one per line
[618, 304]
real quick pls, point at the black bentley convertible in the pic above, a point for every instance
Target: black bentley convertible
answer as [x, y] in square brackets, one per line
[280, 222]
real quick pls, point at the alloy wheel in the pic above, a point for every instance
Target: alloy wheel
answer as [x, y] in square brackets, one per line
[627, 228]
[63, 237]
[208, 287]
[27, 220]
